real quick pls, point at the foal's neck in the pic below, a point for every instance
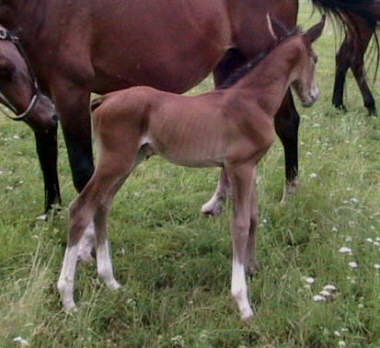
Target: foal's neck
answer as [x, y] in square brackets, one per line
[269, 81]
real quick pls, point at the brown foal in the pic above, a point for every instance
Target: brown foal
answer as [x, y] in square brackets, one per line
[230, 128]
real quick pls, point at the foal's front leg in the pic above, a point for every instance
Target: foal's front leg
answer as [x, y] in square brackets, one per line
[241, 183]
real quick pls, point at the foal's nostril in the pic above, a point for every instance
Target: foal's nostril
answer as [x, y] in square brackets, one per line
[55, 117]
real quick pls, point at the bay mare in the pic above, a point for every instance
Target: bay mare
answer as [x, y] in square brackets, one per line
[230, 128]
[79, 47]
[20, 95]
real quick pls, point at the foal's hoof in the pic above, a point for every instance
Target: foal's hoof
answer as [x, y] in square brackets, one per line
[212, 209]
[247, 314]
[70, 307]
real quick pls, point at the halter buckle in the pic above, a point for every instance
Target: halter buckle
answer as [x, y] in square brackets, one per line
[3, 34]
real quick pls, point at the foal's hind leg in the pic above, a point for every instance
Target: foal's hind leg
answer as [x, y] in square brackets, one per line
[230, 62]
[214, 206]
[287, 121]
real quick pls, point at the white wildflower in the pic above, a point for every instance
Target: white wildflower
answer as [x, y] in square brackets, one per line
[334, 229]
[337, 333]
[308, 280]
[361, 305]
[308, 153]
[345, 250]
[377, 266]
[313, 175]
[354, 200]
[369, 240]
[319, 298]
[376, 243]
[20, 340]
[16, 137]
[377, 239]
[348, 239]
[341, 344]
[344, 329]
[330, 287]
[325, 293]
[353, 264]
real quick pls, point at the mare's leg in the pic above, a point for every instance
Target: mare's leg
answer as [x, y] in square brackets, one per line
[241, 182]
[231, 61]
[287, 122]
[47, 151]
[343, 58]
[357, 67]
[72, 104]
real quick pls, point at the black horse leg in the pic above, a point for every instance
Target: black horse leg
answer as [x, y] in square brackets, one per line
[357, 67]
[73, 107]
[47, 150]
[287, 122]
[342, 65]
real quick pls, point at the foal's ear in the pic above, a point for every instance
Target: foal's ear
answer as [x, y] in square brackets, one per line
[276, 28]
[315, 32]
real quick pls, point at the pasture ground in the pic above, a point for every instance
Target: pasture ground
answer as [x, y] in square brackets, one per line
[175, 265]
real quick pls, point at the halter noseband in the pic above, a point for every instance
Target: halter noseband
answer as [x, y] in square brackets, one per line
[6, 36]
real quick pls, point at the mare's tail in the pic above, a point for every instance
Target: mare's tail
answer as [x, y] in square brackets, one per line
[367, 9]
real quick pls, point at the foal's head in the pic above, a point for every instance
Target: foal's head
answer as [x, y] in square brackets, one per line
[19, 92]
[304, 84]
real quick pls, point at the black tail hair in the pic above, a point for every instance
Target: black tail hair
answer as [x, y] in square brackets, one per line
[367, 9]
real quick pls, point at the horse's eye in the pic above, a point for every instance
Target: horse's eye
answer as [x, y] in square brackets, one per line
[6, 72]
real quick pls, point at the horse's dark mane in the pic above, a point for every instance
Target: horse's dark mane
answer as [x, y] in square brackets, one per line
[246, 68]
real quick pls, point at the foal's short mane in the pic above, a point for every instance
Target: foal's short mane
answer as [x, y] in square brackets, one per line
[246, 68]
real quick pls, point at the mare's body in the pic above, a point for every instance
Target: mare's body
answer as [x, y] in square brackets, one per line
[230, 128]
[79, 47]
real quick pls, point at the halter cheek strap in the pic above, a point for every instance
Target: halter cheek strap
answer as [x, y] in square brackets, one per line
[4, 35]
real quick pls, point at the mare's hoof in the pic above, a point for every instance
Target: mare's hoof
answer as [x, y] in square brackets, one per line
[372, 112]
[341, 107]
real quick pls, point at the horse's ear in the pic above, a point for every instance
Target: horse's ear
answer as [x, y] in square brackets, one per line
[277, 29]
[270, 27]
[315, 32]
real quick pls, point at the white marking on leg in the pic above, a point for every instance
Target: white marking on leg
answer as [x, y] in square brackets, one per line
[239, 289]
[86, 244]
[289, 190]
[104, 264]
[67, 277]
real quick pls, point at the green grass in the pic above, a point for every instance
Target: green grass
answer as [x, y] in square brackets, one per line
[175, 265]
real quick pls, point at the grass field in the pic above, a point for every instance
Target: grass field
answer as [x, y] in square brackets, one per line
[175, 265]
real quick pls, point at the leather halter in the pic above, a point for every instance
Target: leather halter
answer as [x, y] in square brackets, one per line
[6, 36]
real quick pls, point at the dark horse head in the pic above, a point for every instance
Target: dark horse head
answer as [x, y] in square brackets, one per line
[19, 91]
